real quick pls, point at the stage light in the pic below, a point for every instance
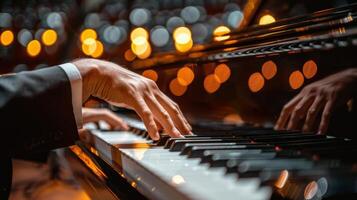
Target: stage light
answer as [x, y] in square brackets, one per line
[49, 37]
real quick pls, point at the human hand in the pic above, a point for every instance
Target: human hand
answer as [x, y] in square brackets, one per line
[101, 114]
[318, 98]
[120, 86]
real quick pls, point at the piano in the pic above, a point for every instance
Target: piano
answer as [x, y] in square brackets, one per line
[234, 152]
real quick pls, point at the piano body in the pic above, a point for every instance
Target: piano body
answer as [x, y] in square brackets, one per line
[234, 152]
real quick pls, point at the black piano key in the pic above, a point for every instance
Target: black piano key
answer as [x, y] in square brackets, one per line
[194, 151]
[179, 144]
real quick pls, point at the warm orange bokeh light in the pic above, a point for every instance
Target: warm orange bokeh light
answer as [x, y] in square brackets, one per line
[7, 37]
[129, 55]
[184, 47]
[141, 47]
[223, 72]
[150, 74]
[88, 33]
[183, 39]
[89, 46]
[266, 19]
[256, 82]
[33, 48]
[182, 35]
[176, 88]
[98, 50]
[146, 53]
[309, 69]
[296, 80]
[139, 32]
[185, 76]
[269, 69]
[220, 33]
[211, 83]
[49, 37]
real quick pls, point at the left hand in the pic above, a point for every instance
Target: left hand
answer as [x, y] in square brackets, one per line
[98, 114]
[320, 97]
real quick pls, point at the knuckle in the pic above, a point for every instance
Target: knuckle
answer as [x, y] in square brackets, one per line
[146, 113]
[166, 116]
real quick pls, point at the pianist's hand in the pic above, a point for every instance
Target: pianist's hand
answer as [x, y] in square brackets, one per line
[101, 114]
[318, 99]
[120, 86]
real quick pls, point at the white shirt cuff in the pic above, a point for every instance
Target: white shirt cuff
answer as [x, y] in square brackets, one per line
[76, 87]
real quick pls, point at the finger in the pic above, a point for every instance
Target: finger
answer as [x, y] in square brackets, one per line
[113, 120]
[325, 117]
[162, 116]
[285, 113]
[312, 113]
[158, 125]
[146, 115]
[175, 105]
[176, 114]
[299, 112]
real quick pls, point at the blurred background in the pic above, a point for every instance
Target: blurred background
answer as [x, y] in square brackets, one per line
[144, 34]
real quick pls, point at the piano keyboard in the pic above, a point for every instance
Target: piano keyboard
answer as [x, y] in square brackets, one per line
[231, 162]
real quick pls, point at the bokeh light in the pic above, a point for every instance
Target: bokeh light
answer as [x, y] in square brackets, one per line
[150, 74]
[211, 83]
[309, 69]
[89, 45]
[296, 79]
[6, 38]
[176, 88]
[266, 19]
[139, 32]
[88, 33]
[223, 72]
[98, 50]
[256, 82]
[49, 37]
[269, 69]
[220, 33]
[33, 48]
[183, 39]
[185, 76]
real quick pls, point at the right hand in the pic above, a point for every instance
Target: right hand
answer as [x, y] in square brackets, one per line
[119, 86]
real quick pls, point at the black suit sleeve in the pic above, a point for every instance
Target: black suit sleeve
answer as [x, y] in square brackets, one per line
[36, 112]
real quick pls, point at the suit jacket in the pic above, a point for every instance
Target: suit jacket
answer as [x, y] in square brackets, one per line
[36, 115]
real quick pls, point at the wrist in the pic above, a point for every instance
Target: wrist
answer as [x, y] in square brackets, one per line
[89, 71]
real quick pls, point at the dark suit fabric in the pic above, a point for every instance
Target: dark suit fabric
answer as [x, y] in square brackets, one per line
[36, 115]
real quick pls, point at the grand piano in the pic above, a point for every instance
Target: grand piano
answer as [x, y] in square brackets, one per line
[232, 91]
